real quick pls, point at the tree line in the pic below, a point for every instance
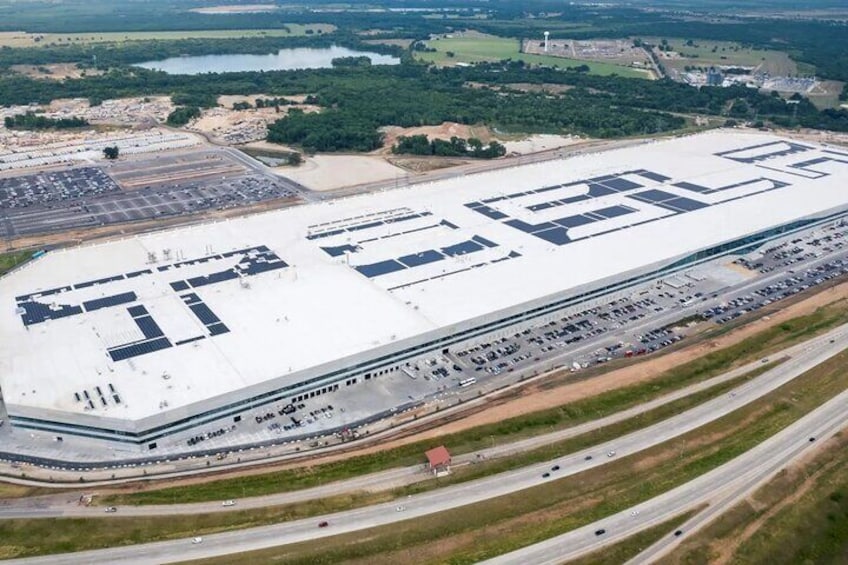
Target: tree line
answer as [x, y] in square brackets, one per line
[31, 120]
[455, 147]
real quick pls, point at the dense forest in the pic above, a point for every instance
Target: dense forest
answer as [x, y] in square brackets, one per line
[31, 120]
[455, 147]
[357, 101]
[183, 115]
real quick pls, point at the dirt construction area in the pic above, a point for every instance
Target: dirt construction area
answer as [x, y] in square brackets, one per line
[328, 172]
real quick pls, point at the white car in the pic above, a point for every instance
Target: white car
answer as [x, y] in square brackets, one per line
[197, 540]
[400, 508]
[611, 454]
[228, 503]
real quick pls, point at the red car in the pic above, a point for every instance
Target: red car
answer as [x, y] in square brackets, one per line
[323, 524]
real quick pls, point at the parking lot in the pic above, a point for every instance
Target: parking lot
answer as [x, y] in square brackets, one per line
[161, 187]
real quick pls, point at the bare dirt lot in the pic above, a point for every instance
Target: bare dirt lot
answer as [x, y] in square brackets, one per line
[446, 130]
[514, 144]
[235, 127]
[328, 172]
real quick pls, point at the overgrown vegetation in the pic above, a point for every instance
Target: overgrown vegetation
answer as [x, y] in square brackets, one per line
[182, 116]
[455, 147]
[31, 120]
[800, 516]
[9, 261]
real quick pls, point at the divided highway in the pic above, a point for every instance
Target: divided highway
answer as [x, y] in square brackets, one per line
[721, 488]
[823, 421]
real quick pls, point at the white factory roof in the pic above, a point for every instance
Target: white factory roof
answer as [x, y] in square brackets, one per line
[339, 278]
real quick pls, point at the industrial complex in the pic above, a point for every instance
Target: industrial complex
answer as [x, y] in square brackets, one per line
[134, 341]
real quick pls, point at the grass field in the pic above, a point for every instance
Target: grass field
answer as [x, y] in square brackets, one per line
[23, 39]
[9, 261]
[707, 53]
[513, 429]
[476, 47]
[810, 525]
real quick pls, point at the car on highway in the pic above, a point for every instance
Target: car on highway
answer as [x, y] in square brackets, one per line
[545, 475]
[400, 508]
[634, 513]
[611, 454]
[812, 439]
[555, 468]
[587, 458]
[678, 533]
[228, 503]
[110, 509]
[197, 540]
[323, 524]
[600, 532]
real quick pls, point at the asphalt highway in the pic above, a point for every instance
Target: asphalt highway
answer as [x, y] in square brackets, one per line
[821, 422]
[721, 488]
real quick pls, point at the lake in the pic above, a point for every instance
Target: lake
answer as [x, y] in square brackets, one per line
[282, 60]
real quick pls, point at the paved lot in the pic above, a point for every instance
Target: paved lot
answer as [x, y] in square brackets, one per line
[146, 188]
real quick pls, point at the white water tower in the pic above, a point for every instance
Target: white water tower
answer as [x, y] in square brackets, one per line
[547, 34]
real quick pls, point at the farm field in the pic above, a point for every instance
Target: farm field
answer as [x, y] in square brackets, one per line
[477, 47]
[723, 53]
[24, 39]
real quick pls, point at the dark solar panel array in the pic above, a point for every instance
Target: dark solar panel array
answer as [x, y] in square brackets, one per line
[154, 337]
[25, 297]
[88, 284]
[189, 340]
[705, 190]
[338, 250]
[139, 273]
[781, 148]
[422, 258]
[36, 312]
[179, 286]
[476, 243]
[254, 260]
[134, 350]
[369, 225]
[206, 316]
[149, 327]
[381, 268]
[556, 231]
[107, 301]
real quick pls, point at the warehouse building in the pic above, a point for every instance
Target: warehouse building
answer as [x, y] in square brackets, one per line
[140, 338]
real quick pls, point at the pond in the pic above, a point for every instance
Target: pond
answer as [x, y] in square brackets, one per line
[282, 60]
